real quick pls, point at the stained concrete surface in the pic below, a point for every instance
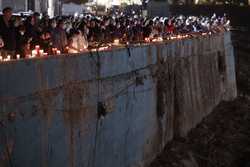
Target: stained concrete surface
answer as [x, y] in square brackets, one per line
[50, 108]
[222, 138]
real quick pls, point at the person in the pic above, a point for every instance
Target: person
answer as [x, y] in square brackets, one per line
[31, 30]
[8, 32]
[45, 41]
[22, 41]
[170, 27]
[59, 37]
[77, 42]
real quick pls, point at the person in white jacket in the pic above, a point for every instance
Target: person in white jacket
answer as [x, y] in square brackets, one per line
[78, 43]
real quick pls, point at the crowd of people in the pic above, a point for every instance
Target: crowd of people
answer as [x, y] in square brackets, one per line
[70, 34]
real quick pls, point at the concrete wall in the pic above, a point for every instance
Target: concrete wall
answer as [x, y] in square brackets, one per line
[151, 93]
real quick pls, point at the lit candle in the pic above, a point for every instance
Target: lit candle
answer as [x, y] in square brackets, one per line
[160, 39]
[103, 48]
[54, 50]
[33, 53]
[8, 57]
[41, 52]
[58, 52]
[116, 41]
[18, 56]
[147, 39]
[1, 58]
[172, 37]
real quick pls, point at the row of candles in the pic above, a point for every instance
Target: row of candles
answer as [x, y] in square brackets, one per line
[38, 52]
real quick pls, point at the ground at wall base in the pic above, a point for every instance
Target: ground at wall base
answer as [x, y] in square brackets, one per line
[221, 140]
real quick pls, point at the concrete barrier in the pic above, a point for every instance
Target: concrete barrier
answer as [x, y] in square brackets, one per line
[111, 108]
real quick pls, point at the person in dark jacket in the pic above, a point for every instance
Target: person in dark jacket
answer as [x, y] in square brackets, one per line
[8, 32]
[22, 41]
[31, 31]
[59, 37]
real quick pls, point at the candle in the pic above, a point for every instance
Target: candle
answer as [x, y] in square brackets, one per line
[116, 42]
[18, 56]
[53, 50]
[1, 58]
[45, 54]
[8, 57]
[172, 37]
[41, 52]
[160, 39]
[147, 39]
[33, 53]
[103, 48]
[58, 52]
[179, 37]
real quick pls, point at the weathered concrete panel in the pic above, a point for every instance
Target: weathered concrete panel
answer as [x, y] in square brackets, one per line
[150, 94]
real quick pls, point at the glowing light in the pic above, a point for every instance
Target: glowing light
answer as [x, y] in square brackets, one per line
[147, 39]
[172, 37]
[58, 52]
[116, 41]
[28, 56]
[1, 58]
[18, 56]
[33, 53]
[103, 48]
[41, 52]
[159, 39]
